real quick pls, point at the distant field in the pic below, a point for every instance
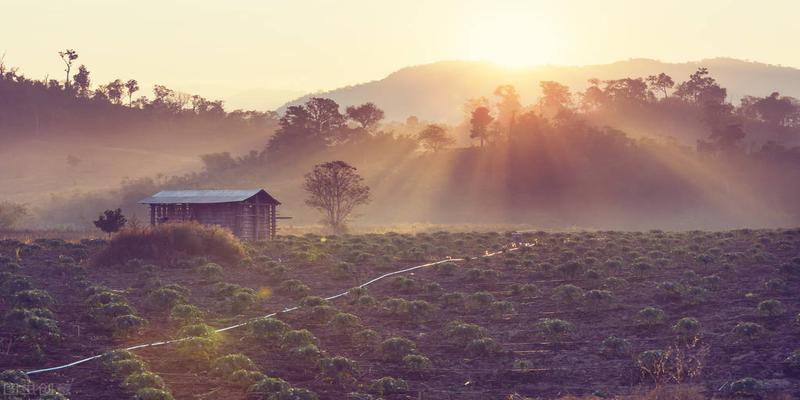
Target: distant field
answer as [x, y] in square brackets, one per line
[579, 313]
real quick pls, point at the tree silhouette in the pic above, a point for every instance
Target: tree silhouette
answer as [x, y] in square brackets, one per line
[335, 188]
[111, 221]
[555, 98]
[367, 115]
[114, 90]
[131, 87]
[434, 138]
[479, 124]
[68, 56]
[660, 83]
[82, 81]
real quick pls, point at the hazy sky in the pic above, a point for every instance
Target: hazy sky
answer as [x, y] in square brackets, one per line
[220, 48]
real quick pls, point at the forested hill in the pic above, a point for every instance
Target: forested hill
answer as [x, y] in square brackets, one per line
[435, 92]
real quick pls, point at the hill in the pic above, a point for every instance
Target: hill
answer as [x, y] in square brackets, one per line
[435, 92]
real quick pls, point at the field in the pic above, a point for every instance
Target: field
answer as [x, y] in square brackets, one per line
[589, 314]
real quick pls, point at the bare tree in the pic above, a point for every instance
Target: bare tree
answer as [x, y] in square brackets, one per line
[335, 189]
[68, 56]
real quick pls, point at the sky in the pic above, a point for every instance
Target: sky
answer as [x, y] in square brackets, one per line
[279, 50]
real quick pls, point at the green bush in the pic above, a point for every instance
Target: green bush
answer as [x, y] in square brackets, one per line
[388, 386]
[526, 291]
[196, 350]
[294, 289]
[305, 356]
[453, 299]
[479, 301]
[298, 338]
[650, 316]
[367, 339]
[395, 348]
[501, 308]
[140, 380]
[687, 328]
[554, 329]
[461, 333]
[121, 369]
[771, 308]
[567, 293]
[322, 314]
[242, 299]
[598, 298]
[167, 242]
[295, 394]
[224, 367]
[268, 329]
[340, 370]
[185, 314]
[245, 379]
[163, 299]
[748, 332]
[150, 393]
[128, 325]
[32, 299]
[747, 387]
[482, 347]
[267, 387]
[344, 324]
[615, 347]
[417, 364]
[210, 272]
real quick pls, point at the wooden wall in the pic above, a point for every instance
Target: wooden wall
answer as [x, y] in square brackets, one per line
[251, 219]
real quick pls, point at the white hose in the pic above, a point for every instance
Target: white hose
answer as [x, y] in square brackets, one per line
[154, 344]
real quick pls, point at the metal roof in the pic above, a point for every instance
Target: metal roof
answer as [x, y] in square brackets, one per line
[204, 196]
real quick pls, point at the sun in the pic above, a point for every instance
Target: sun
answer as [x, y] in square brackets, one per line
[512, 41]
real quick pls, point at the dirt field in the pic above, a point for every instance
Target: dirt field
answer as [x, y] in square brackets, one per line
[544, 315]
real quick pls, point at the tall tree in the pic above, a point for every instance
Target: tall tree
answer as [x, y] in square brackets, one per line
[131, 87]
[114, 90]
[82, 81]
[701, 88]
[555, 98]
[434, 138]
[507, 107]
[335, 189]
[660, 83]
[68, 56]
[479, 124]
[367, 115]
[308, 127]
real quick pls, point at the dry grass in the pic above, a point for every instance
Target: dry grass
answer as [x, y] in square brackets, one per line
[166, 243]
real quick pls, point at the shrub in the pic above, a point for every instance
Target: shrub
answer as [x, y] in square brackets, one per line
[128, 325]
[482, 347]
[598, 298]
[388, 386]
[141, 380]
[245, 379]
[340, 370]
[297, 338]
[670, 291]
[527, 290]
[791, 364]
[417, 364]
[555, 329]
[567, 293]
[501, 308]
[167, 242]
[267, 387]
[454, 299]
[747, 387]
[312, 301]
[32, 299]
[344, 324]
[395, 348]
[121, 369]
[322, 314]
[268, 329]
[461, 333]
[295, 394]
[446, 269]
[224, 367]
[150, 393]
[305, 356]
[294, 289]
[210, 272]
[368, 339]
[571, 269]
[186, 314]
[479, 300]
[241, 300]
[687, 328]
[199, 330]
[196, 350]
[748, 331]
[771, 308]
[613, 346]
[163, 299]
[651, 316]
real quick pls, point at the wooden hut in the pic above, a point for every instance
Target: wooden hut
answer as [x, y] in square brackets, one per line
[249, 213]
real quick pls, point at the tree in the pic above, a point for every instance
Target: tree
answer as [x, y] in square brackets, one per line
[367, 115]
[479, 124]
[508, 106]
[335, 188]
[111, 221]
[701, 89]
[131, 87]
[309, 127]
[11, 214]
[68, 56]
[114, 90]
[434, 138]
[82, 81]
[660, 83]
[555, 98]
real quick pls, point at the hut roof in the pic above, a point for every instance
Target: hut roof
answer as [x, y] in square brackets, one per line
[206, 196]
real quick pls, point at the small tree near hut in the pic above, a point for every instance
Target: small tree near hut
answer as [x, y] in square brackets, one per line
[111, 221]
[335, 189]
